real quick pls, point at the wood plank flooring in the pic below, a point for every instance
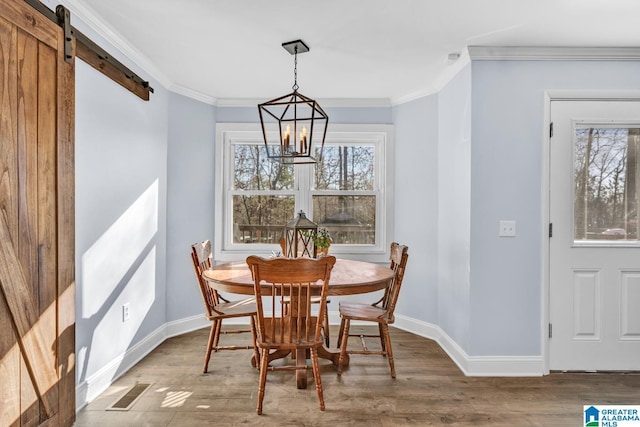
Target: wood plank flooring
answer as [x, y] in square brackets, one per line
[429, 390]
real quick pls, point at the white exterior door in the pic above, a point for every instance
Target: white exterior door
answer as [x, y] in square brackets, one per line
[594, 283]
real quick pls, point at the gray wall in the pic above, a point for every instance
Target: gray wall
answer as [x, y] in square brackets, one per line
[345, 115]
[453, 200]
[506, 176]
[190, 198]
[416, 205]
[121, 205]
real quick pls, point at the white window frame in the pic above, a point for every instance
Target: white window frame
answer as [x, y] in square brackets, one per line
[380, 136]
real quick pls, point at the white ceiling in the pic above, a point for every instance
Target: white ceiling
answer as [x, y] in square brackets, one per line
[382, 49]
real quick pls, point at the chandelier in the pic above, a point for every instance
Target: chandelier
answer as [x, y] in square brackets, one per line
[291, 123]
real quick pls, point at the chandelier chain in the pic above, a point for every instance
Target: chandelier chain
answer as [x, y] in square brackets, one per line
[295, 70]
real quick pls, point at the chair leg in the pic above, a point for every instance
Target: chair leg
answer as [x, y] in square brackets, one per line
[254, 337]
[264, 366]
[325, 326]
[382, 339]
[340, 333]
[216, 337]
[344, 333]
[387, 338]
[316, 376]
[207, 356]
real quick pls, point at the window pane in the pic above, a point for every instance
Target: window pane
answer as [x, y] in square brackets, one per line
[349, 219]
[606, 183]
[255, 171]
[261, 219]
[346, 168]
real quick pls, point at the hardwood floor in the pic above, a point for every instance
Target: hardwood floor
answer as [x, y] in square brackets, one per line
[429, 390]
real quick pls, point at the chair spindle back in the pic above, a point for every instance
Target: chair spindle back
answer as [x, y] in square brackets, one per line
[201, 257]
[399, 256]
[289, 322]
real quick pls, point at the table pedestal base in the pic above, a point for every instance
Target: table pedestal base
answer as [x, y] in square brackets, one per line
[301, 357]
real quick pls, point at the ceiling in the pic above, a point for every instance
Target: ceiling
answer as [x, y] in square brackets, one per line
[359, 49]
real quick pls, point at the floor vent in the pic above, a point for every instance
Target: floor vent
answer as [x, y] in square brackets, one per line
[130, 397]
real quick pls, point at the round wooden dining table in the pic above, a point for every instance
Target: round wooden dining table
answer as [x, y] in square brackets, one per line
[348, 277]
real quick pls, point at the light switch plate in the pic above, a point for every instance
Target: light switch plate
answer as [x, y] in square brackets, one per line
[507, 228]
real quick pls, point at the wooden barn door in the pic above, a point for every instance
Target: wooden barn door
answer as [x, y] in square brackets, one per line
[37, 295]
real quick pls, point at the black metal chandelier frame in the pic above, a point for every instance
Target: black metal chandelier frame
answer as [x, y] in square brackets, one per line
[293, 112]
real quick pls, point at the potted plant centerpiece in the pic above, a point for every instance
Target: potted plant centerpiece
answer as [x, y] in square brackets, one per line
[322, 240]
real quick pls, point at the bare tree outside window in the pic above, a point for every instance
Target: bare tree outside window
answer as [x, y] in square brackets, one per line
[606, 183]
[343, 194]
[348, 191]
[344, 201]
[261, 205]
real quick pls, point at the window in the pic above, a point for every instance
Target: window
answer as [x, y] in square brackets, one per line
[606, 183]
[348, 192]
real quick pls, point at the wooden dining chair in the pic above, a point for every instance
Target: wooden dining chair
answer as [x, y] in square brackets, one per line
[289, 326]
[218, 308]
[315, 300]
[380, 312]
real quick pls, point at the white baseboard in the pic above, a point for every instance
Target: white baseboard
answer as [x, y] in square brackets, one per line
[474, 366]
[500, 366]
[97, 383]
[189, 324]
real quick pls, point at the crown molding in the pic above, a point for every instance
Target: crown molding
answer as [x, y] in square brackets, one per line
[324, 102]
[441, 81]
[553, 53]
[355, 102]
[413, 96]
[239, 102]
[593, 95]
[193, 94]
[89, 17]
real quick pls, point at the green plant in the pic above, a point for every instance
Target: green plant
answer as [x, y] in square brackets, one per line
[322, 238]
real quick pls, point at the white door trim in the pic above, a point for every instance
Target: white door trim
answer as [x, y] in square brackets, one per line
[549, 96]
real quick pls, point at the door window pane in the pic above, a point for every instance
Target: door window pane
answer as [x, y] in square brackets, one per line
[606, 183]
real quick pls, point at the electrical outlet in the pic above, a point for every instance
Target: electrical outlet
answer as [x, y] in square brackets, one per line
[507, 228]
[126, 313]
